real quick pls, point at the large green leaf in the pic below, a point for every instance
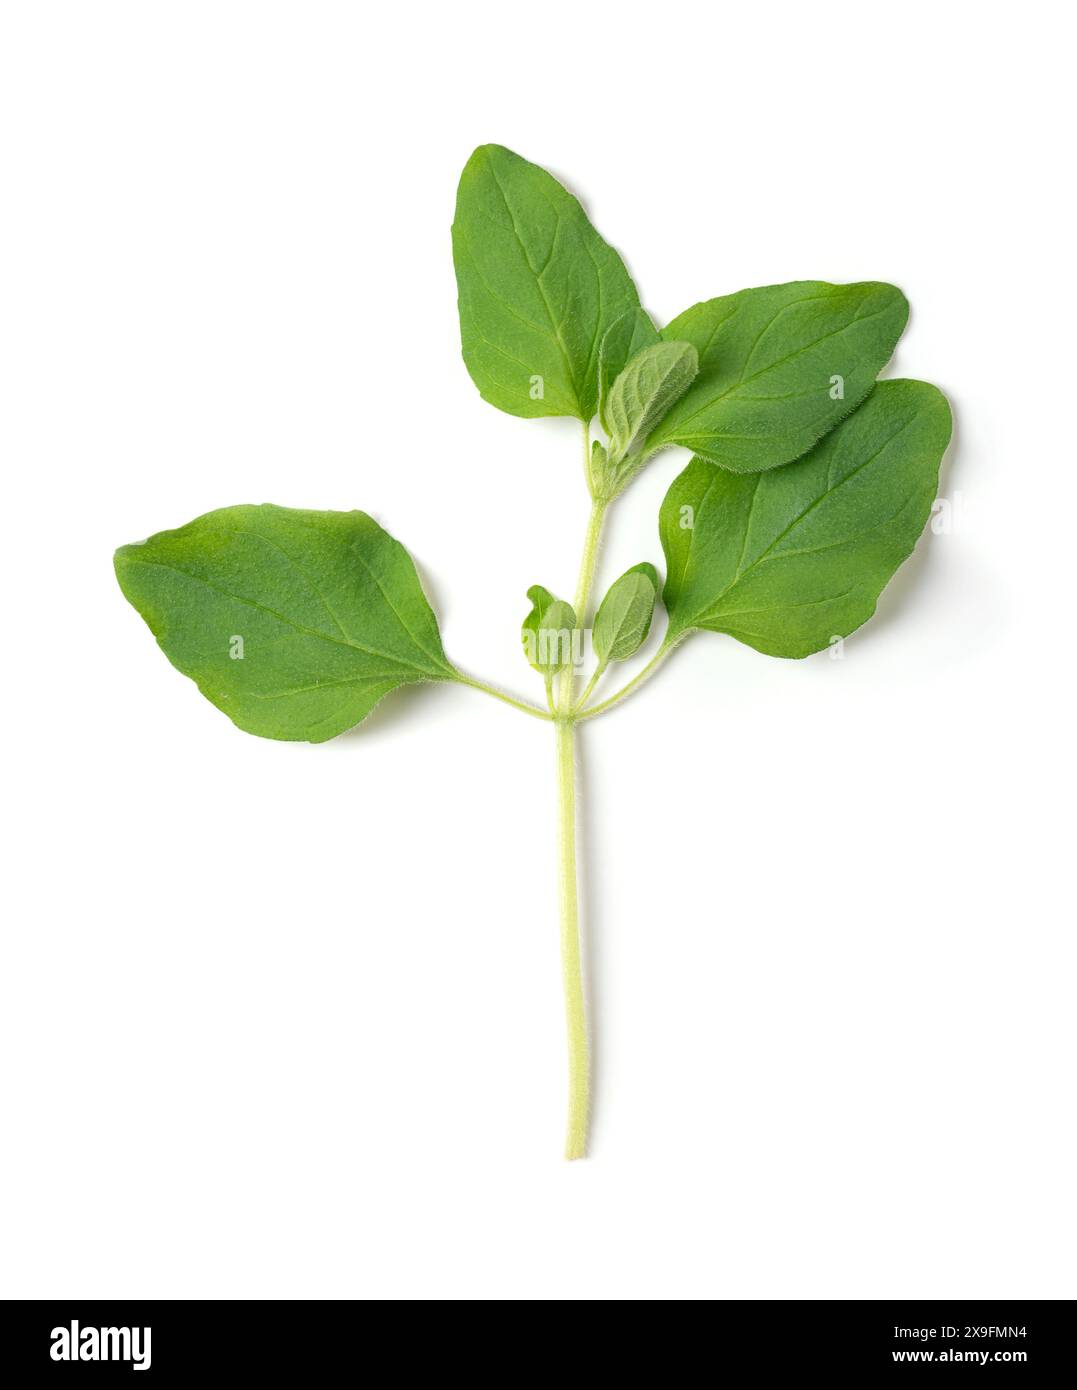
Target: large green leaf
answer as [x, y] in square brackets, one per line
[538, 287]
[778, 368]
[790, 559]
[294, 623]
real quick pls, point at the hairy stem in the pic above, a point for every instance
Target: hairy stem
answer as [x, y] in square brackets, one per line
[587, 458]
[589, 687]
[589, 559]
[568, 899]
[571, 969]
[636, 681]
[525, 705]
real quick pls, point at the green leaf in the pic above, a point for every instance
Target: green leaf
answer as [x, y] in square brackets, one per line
[649, 570]
[548, 632]
[654, 379]
[538, 287]
[598, 468]
[789, 560]
[294, 623]
[778, 368]
[624, 615]
[529, 629]
[626, 336]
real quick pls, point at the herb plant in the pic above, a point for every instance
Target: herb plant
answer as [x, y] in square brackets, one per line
[808, 485]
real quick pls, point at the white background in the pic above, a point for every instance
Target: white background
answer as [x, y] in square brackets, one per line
[281, 1020]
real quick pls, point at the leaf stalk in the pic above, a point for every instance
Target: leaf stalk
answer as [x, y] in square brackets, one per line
[525, 705]
[639, 679]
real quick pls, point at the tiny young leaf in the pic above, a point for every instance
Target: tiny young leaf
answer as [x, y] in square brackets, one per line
[529, 629]
[538, 287]
[653, 380]
[626, 336]
[294, 623]
[778, 368]
[547, 632]
[789, 560]
[598, 468]
[624, 616]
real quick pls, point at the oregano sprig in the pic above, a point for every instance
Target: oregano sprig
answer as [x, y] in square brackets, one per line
[810, 483]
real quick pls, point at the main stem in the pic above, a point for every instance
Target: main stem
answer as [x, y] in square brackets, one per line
[579, 1079]
[565, 713]
[587, 562]
[575, 1011]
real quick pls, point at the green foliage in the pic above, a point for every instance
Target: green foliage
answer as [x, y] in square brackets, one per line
[778, 367]
[547, 632]
[624, 616]
[809, 486]
[790, 559]
[807, 490]
[624, 338]
[538, 287]
[598, 469]
[653, 380]
[294, 623]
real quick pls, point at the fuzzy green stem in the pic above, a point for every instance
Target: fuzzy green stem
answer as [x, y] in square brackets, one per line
[589, 559]
[587, 458]
[589, 687]
[571, 968]
[568, 899]
[524, 705]
[636, 681]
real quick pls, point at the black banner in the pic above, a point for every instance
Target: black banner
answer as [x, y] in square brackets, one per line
[181, 1342]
